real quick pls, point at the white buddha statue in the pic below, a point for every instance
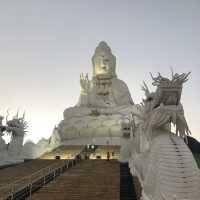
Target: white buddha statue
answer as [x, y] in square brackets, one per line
[105, 89]
[101, 101]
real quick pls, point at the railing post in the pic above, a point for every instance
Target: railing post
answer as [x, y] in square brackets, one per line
[44, 177]
[67, 164]
[54, 174]
[12, 191]
[30, 189]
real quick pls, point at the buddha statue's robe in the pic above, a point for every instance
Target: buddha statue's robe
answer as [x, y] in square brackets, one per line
[103, 101]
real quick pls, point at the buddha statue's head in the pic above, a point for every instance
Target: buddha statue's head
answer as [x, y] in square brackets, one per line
[104, 62]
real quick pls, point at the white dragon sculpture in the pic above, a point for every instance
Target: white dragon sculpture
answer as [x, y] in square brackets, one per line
[160, 158]
[16, 128]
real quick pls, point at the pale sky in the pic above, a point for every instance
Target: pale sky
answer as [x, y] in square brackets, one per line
[46, 44]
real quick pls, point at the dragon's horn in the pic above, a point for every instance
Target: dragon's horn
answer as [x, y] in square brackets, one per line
[186, 76]
[172, 72]
[145, 89]
[17, 114]
[24, 115]
[145, 85]
[7, 114]
[152, 76]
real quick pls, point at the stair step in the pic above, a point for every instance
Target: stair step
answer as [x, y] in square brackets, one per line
[91, 180]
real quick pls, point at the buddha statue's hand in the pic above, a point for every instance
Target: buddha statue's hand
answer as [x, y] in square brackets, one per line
[84, 83]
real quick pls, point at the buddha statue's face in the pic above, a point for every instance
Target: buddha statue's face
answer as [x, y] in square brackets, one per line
[103, 61]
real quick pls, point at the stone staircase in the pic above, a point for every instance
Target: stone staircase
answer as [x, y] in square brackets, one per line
[178, 172]
[90, 180]
[96, 179]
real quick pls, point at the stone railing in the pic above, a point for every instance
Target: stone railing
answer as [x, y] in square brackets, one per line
[26, 186]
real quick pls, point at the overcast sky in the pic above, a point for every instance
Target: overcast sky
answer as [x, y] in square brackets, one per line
[46, 44]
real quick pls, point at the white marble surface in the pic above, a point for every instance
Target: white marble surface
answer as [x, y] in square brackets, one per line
[12, 152]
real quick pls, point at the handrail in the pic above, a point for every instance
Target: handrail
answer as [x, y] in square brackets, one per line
[29, 177]
[31, 183]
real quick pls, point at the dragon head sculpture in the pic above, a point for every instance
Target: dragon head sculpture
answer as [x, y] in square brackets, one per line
[16, 126]
[163, 107]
